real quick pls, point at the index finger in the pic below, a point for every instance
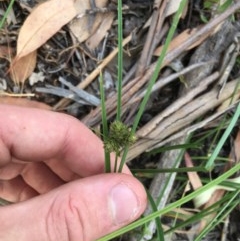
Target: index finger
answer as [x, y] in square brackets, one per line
[37, 135]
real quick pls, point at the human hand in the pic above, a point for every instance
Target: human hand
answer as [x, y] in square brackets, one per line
[51, 167]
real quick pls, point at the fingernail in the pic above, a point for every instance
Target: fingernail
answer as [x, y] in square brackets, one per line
[124, 204]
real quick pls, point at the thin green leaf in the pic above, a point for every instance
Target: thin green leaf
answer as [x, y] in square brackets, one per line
[104, 124]
[120, 61]
[6, 13]
[223, 139]
[168, 148]
[170, 170]
[160, 231]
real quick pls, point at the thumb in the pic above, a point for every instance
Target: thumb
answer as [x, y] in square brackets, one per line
[85, 209]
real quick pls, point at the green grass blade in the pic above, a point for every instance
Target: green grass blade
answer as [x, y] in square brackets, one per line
[104, 124]
[223, 139]
[160, 231]
[120, 61]
[6, 13]
[170, 170]
[169, 148]
[124, 155]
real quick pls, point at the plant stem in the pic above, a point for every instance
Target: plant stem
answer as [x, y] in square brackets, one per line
[223, 139]
[6, 13]
[104, 124]
[120, 60]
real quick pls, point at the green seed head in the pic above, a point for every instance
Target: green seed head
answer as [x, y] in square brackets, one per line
[119, 137]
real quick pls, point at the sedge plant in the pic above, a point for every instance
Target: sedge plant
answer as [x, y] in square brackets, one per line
[120, 137]
[127, 137]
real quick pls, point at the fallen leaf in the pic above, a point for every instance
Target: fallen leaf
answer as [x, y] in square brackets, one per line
[22, 68]
[82, 28]
[85, 25]
[43, 22]
[106, 23]
[47, 19]
[192, 176]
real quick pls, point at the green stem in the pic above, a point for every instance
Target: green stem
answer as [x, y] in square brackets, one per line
[104, 124]
[120, 60]
[223, 139]
[6, 13]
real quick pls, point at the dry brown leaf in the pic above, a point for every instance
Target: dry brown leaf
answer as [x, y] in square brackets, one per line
[84, 26]
[94, 40]
[22, 68]
[47, 19]
[43, 22]
[192, 176]
[23, 102]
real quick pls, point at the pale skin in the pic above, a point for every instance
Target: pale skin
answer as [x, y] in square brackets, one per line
[52, 168]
